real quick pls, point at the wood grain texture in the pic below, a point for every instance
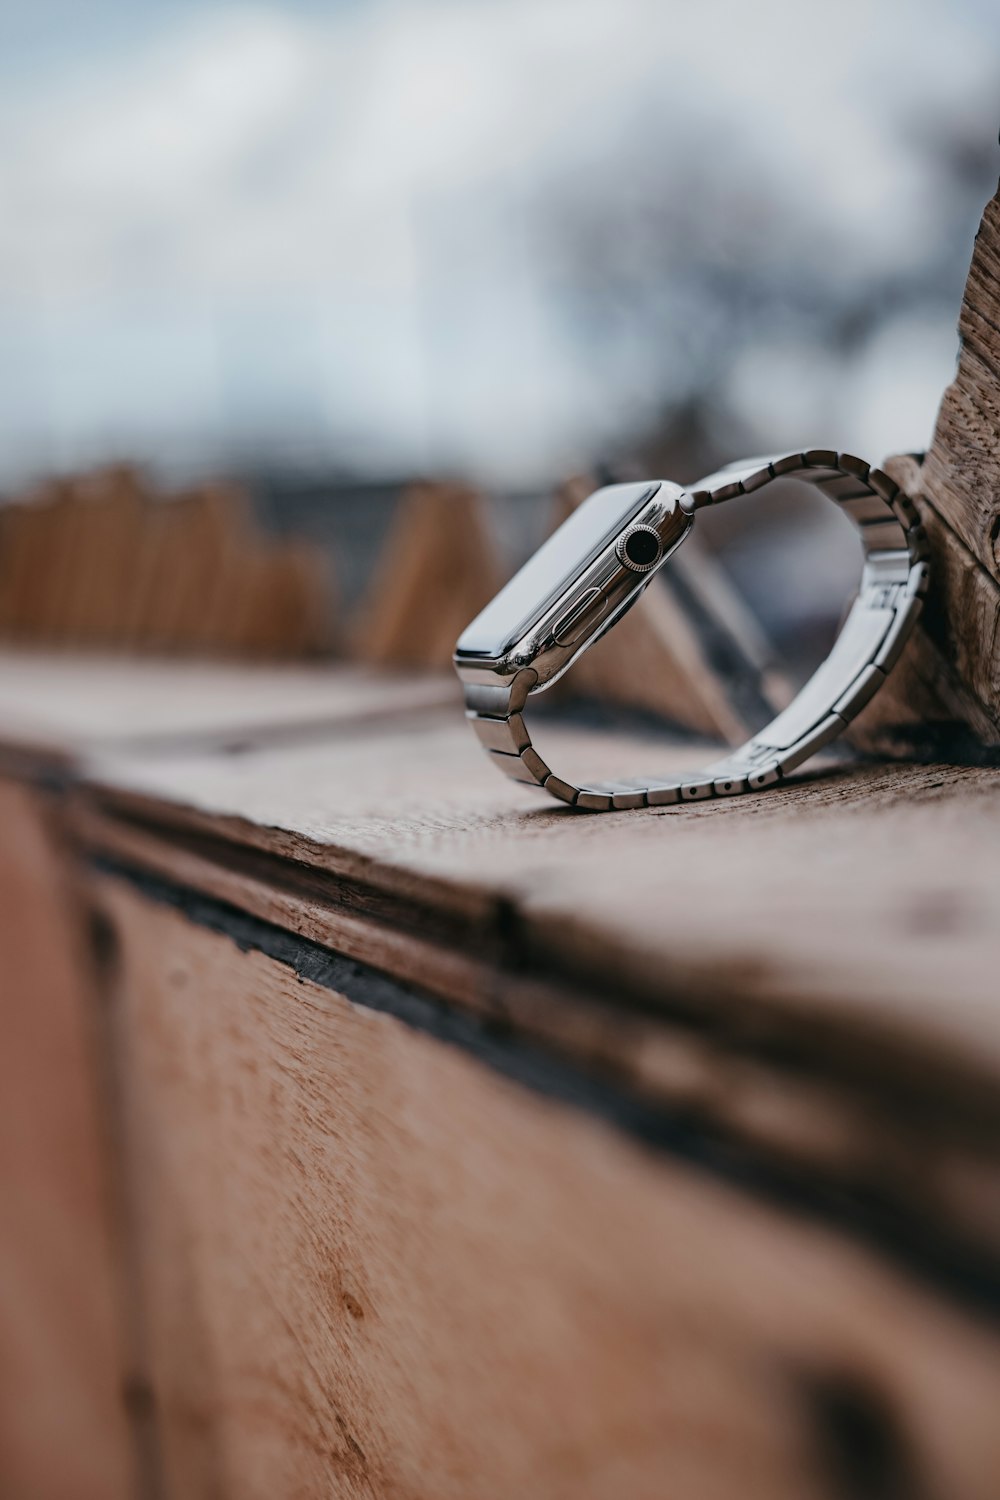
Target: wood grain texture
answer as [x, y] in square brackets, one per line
[104, 561]
[63, 1434]
[58, 707]
[770, 970]
[374, 1268]
[833, 862]
[946, 693]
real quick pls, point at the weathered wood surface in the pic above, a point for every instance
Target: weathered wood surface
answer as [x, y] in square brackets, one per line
[373, 1267]
[774, 969]
[829, 862]
[754, 989]
[63, 708]
[945, 695]
[63, 1433]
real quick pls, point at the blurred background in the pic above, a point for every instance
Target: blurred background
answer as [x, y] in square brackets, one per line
[322, 250]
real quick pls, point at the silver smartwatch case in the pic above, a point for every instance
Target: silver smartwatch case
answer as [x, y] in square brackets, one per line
[596, 565]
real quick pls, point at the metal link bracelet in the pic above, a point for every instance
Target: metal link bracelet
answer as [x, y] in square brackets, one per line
[894, 580]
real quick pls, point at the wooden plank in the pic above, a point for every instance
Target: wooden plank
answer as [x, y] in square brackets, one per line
[912, 1139]
[436, 570]
[102, 562]
[62, 1421]
[108, 533]
[54, 706]
[302, 586]
[220, 587]
[374, 1266]
[962, 468]
[27, 540]
[939, 700]
[954, 662]
[772, 969]
[825, 862]
[192, 562]
[55, 515]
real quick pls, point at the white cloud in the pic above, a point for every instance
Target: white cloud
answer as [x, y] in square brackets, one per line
[375, 191]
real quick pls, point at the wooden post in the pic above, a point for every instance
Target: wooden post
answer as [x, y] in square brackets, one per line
[103, 561]
[437, 570]
[944, 697]
[63, 1429]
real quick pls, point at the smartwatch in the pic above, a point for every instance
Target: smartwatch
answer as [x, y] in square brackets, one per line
[596, 565]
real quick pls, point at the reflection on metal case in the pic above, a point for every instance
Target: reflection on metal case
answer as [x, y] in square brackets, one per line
[576, 586]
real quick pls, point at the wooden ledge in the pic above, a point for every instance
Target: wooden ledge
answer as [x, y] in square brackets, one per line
[366, 995]
[801, 984]
[872, 875]
[58, 707]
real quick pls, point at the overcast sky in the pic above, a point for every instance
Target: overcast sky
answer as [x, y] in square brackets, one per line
[494, 235]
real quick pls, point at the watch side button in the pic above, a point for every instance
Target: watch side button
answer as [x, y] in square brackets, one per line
[575, 621]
